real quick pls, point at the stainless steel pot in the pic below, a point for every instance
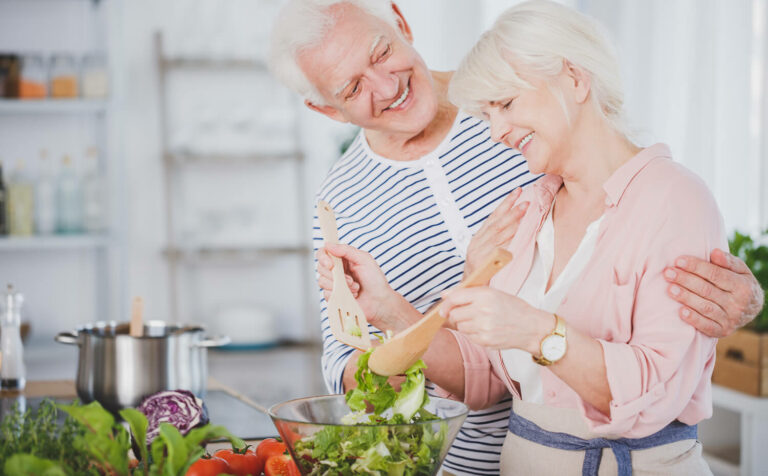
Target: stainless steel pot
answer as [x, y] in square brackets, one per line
[118, 370]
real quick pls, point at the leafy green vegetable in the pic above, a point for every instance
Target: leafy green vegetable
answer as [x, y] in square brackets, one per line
[39, 434]
[91, 442]
[756, 258]
[374, 448]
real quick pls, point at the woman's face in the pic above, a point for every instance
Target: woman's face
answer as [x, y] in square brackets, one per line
[534, 122]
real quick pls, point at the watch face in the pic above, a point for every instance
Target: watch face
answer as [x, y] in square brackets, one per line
[553, 347]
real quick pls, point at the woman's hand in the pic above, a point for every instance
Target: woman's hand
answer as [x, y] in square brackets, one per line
[718, 297]
[495, 319]
[384, 308]
[496, 232]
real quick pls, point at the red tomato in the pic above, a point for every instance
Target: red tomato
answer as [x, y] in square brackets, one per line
[242, 462]
[269, 447]
[208, 466]
[281, 465]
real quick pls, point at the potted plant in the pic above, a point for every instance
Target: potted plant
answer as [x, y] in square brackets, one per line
[742, 358]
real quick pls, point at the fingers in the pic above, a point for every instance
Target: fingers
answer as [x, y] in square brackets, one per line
[727, 260]
[693, 302]
[507, 203]
[696, 285]
[706, 326]
[723, 278]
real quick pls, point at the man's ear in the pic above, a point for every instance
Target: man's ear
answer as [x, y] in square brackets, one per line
[580, 81]
[405, 29]
[328, 111]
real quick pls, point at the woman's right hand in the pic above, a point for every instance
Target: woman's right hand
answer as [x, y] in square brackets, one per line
[384, 308]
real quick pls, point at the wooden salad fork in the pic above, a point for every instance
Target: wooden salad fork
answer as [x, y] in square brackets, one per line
[346, 317]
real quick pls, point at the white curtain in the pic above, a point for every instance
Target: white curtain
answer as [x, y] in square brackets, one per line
[696, 77]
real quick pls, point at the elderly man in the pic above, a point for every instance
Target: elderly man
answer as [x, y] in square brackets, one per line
[425, 191]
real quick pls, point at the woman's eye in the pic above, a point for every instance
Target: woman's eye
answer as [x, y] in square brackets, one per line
[506, 105]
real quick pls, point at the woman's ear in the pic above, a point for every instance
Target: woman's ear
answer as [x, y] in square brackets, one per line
[402, 25]
[579, 80]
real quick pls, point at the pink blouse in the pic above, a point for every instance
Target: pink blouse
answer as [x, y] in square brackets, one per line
[658, 367]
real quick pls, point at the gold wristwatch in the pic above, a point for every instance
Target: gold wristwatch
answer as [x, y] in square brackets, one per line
[554, 345]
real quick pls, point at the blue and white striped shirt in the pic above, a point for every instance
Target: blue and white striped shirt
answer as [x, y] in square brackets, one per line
[416, 219]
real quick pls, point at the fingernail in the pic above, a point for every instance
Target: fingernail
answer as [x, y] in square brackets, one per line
[686, 312]
[681, 262]
[675, 290]
[671, 274]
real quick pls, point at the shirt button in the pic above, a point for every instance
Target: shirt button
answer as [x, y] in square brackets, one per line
[551, 394]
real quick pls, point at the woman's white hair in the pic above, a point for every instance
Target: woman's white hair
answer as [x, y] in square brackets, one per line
[303, 24]
[535, 38]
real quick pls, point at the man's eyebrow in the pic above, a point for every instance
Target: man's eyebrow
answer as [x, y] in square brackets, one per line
[375, 43]
[342, 88]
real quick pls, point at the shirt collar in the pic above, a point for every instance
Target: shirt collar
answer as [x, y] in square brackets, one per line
[618, 182]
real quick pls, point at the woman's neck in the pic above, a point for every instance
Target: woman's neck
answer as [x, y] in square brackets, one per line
[597, 152]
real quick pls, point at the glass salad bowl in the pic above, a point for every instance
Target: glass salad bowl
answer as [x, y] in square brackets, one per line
[320, 442]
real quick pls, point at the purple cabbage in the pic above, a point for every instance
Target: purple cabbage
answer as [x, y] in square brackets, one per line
[178, 407]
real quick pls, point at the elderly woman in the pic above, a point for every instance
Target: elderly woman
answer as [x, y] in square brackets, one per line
[578, 327]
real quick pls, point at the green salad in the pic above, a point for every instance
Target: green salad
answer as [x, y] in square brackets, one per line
[367, 445]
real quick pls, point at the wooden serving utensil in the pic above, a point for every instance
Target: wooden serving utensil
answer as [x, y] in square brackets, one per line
[345, 316]
[136, 328]
[395, 356]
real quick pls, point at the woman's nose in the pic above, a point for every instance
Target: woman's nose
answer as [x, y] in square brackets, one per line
[499, 129]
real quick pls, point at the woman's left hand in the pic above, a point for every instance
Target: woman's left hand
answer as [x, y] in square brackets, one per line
[495, 319]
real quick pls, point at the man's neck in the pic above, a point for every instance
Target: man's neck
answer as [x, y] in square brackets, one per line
[405, 147]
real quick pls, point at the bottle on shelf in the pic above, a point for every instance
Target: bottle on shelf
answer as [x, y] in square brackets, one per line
[13, 375]
[95, 81]
[33, 82]
[21, 203]
[45, 197]
[94, 194]
[69, 201]
[64, 77]
[3, 204]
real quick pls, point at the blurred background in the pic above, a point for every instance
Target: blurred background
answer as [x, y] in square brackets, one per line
[147, 151]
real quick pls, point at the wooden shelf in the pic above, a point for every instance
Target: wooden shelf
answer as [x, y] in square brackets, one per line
[201, 254]
[53, 106]
[174, 158]
[213, 63]
[53, 242]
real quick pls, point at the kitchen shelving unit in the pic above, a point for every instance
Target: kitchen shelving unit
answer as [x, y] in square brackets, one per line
[21, 257]
[182, 257]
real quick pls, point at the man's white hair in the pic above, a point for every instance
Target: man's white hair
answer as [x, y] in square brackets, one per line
[303, 24]
[535, 38]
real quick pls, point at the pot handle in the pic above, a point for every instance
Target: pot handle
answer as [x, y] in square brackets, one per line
[69, 338]
[217, 341]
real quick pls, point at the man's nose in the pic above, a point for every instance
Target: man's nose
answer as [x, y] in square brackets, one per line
[385, 85]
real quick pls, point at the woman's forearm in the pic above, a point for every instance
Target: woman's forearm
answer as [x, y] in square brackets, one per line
[583, 369]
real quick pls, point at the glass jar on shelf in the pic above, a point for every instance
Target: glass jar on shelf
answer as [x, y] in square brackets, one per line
[95, 80]
[64, 77]
[33, 83]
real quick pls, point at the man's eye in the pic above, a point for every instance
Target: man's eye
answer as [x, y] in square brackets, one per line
[353, 92]
[385, 53]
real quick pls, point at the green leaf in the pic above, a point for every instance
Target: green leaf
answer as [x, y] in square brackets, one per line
[138, 423]
[176, 449]
[205, 433]
[93, 416]
[29, 465]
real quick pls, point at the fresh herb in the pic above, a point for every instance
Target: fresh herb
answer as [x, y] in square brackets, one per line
[94, 443]
[40, 436]
[756, 258]
[384, 443]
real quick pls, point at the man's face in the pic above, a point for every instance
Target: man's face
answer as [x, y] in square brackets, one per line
[370, 75]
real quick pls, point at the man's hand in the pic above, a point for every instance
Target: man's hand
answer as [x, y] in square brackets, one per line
[497, 230]
[718, 297]
[384, 308]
